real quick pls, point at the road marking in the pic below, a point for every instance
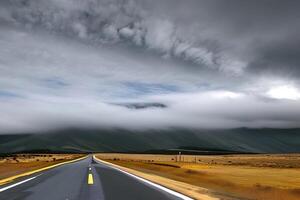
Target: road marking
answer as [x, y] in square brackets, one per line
[10, 179]
[90, 179]
[177, 194]
[19, 183]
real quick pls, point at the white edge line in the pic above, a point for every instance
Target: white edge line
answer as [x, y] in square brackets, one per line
[177, 194]
[19, 183]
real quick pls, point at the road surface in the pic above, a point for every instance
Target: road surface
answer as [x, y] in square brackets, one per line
[84, 180]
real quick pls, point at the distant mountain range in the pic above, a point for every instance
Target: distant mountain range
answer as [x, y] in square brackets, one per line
[241, 140]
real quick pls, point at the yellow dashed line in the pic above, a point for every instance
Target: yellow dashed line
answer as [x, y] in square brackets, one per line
[90, 179]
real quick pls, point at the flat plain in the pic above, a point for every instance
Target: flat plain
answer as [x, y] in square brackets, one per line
[21, 163]
[257, 176]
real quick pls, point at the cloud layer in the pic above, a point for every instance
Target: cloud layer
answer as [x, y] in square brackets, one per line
[213, 64]
[136, 22]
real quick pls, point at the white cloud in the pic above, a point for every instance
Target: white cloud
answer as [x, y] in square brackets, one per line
[160, 35]
[226, 94]
[284, 92]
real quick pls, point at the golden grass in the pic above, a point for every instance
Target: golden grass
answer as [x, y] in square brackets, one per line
[263, 177]
[13, 165]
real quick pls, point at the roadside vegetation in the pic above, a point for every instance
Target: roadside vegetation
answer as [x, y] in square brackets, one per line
[21, 163]
[261, 177]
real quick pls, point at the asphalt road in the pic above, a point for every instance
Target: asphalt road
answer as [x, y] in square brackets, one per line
[83, 180]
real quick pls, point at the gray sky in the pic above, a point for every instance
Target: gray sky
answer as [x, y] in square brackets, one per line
[213, 64]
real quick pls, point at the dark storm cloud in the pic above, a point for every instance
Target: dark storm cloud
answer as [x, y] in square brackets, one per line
[264, 33]
[280, 58]
[207, 63]
[232, 36]
[268, 31]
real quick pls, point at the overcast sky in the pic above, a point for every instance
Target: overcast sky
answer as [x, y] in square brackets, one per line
[211, 64]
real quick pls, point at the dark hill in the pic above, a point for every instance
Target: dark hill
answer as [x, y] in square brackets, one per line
[119, 140]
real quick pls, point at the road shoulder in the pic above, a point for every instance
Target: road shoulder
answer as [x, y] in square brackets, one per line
[191, 191]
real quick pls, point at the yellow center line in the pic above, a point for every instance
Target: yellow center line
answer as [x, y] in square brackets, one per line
[90, 179]
[12, 178]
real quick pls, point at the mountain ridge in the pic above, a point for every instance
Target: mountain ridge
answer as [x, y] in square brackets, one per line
[243, 140]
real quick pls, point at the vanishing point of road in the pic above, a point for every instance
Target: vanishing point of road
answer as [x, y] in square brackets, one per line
[86, 179]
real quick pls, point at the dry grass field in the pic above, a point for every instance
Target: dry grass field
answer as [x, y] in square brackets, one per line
[17, 164]
[261, 177]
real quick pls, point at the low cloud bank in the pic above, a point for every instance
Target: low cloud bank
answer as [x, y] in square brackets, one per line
[213, 110]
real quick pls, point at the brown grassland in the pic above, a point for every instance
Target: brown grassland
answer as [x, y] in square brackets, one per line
[261, 177]
[21, 163]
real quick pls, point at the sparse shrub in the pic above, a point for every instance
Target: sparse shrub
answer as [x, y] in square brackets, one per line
[262, 187]
[189, 171]
[296, 191]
